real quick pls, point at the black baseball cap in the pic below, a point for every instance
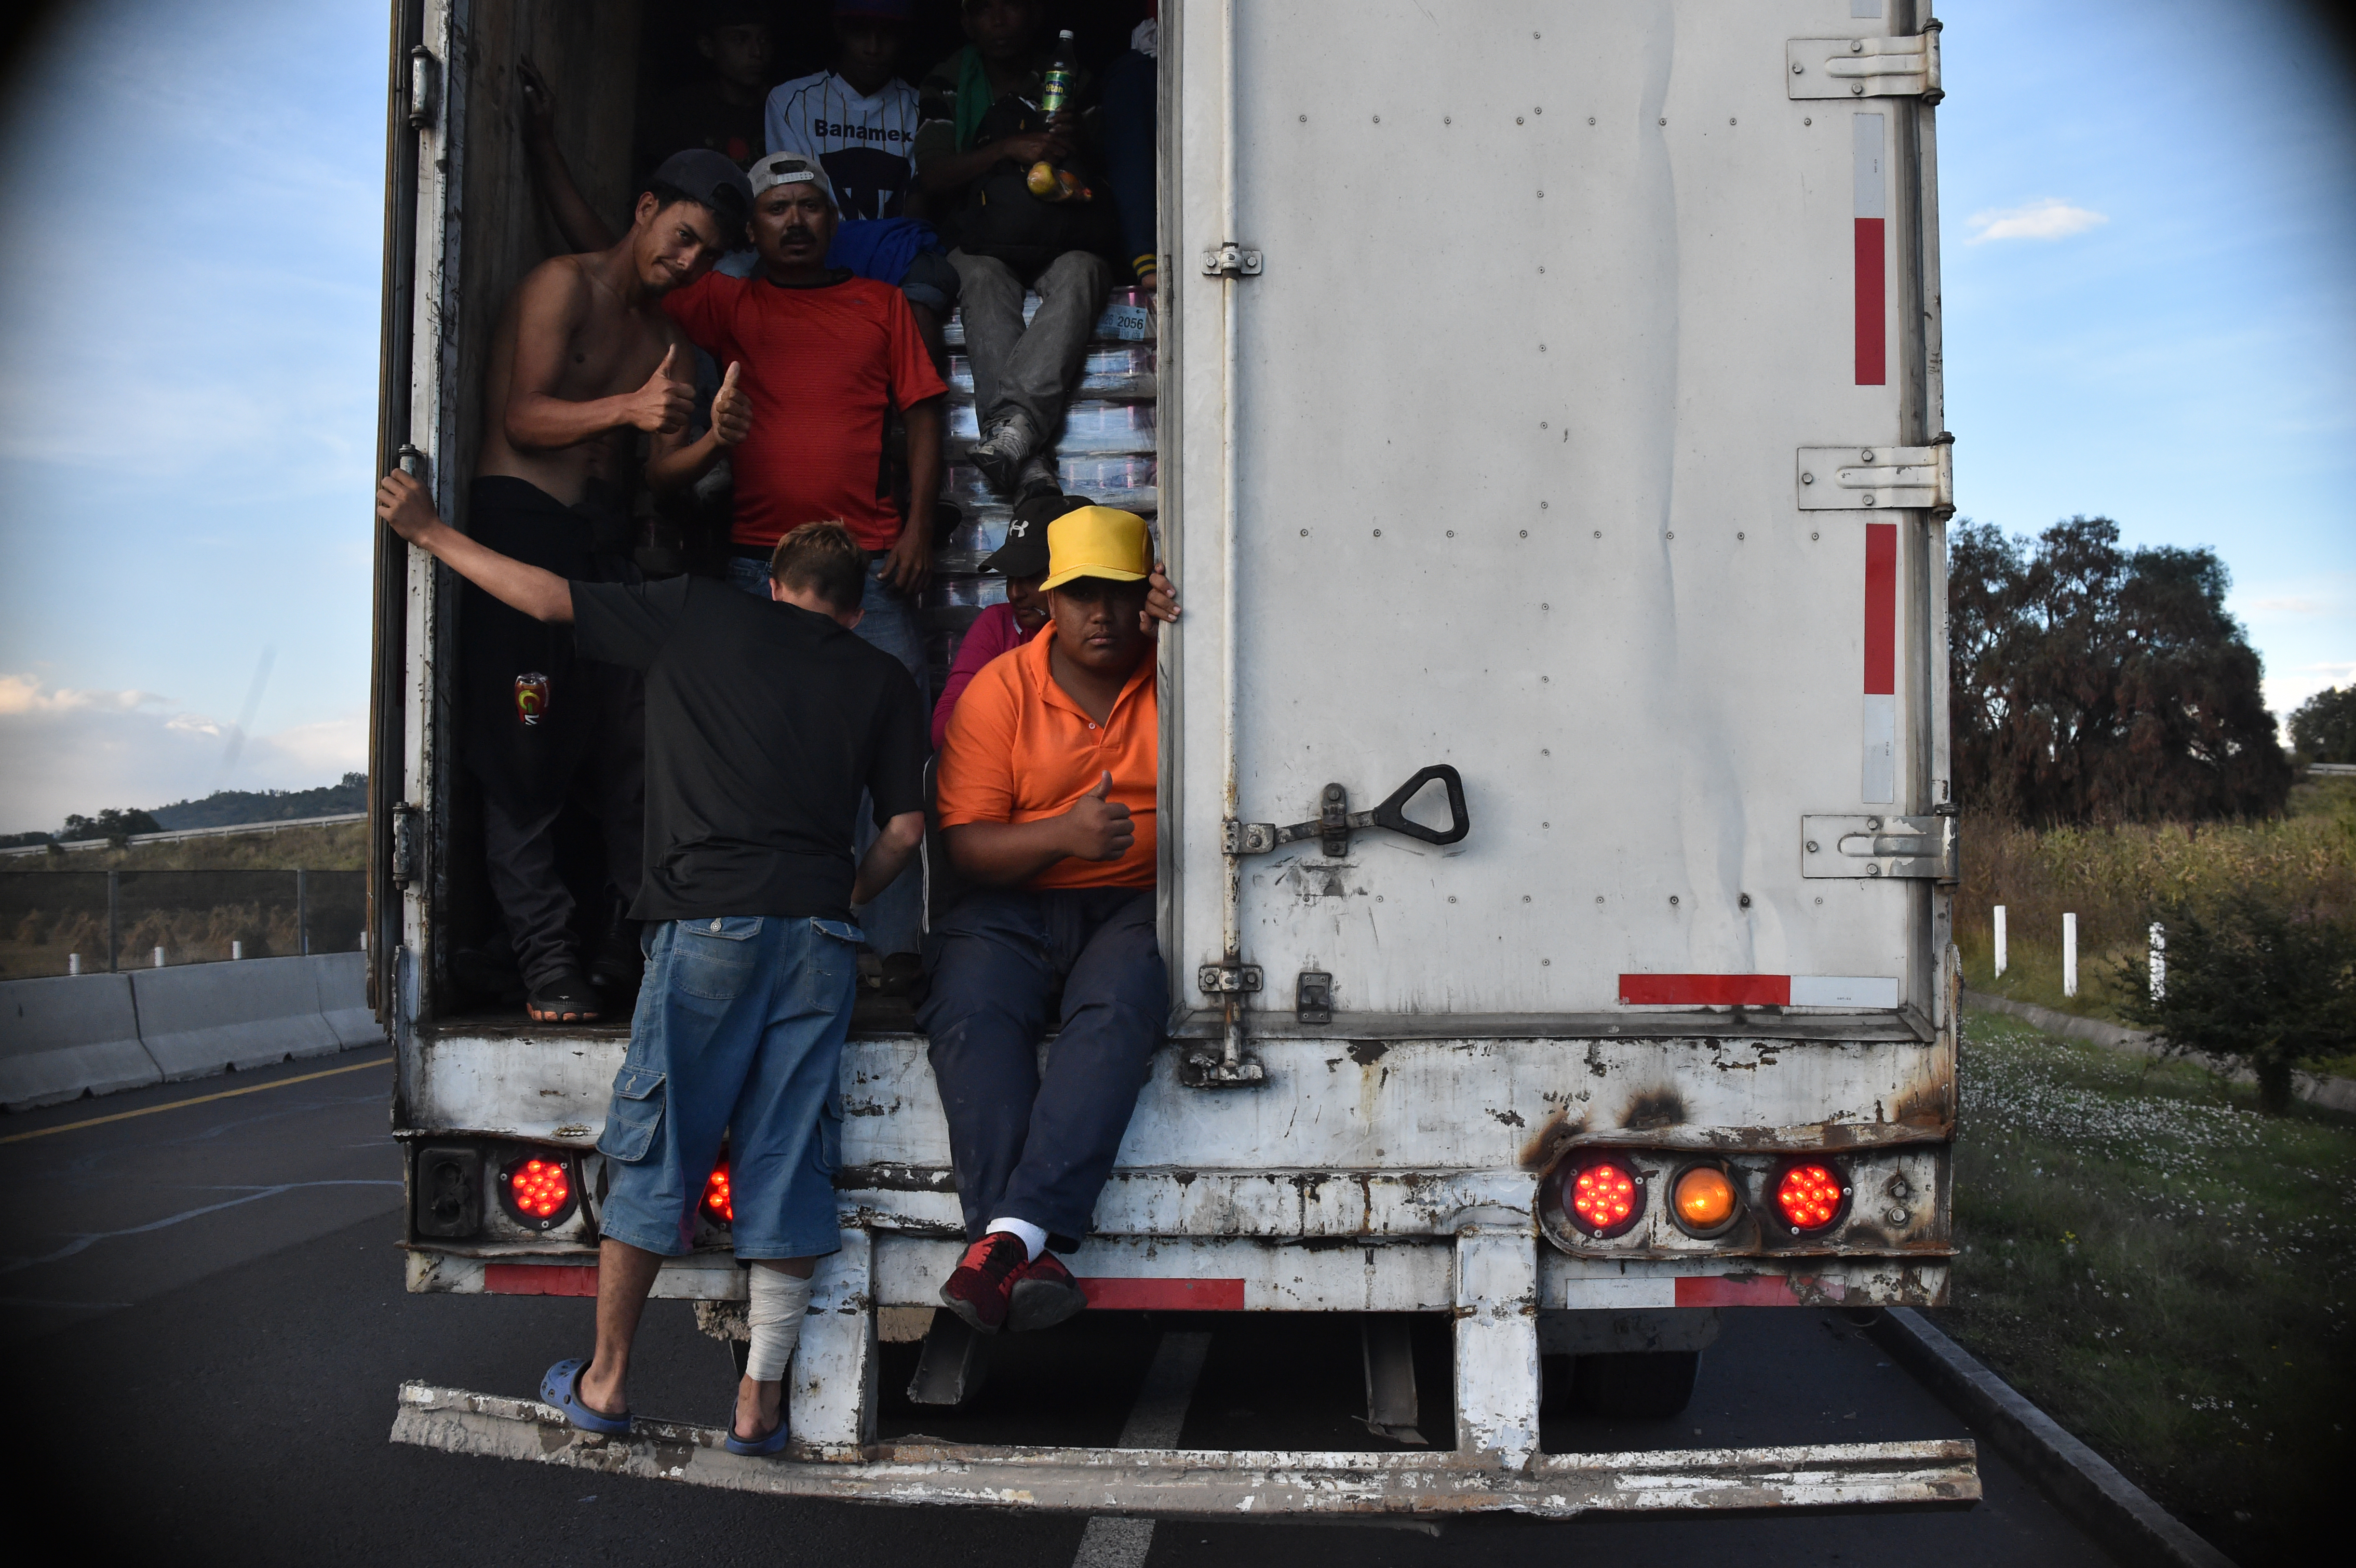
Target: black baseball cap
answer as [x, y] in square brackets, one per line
[712, 178]
[1024, 553]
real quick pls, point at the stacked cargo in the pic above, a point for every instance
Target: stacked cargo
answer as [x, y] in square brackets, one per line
[1105, 452]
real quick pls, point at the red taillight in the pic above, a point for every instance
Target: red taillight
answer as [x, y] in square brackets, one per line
[536, 1190]
[719, 1201]
[1811, 1197]
[1604, 1198]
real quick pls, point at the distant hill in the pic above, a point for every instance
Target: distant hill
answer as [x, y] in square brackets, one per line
[228, 807]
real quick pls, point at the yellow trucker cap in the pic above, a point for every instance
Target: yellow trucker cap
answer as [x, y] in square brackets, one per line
[1098, 541]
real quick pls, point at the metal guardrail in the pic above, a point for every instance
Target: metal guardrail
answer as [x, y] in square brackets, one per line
[2333, 770]
[230, 830]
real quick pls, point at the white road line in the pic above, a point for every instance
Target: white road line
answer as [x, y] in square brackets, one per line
[89, 1239]
[1155, 1422]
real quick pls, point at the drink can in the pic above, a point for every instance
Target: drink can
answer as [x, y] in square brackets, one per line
[530, 697]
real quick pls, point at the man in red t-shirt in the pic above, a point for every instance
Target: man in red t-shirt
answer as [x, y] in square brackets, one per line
[822, 357]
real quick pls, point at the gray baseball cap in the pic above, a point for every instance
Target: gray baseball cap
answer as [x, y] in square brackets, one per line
[712, 178]
[791, 168]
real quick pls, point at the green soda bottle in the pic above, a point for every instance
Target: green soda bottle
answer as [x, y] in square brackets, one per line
[1056, 91]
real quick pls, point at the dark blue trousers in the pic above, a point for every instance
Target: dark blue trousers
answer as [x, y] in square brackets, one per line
[1031, 1143]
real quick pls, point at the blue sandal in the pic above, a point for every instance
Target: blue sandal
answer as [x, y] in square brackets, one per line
[772, 1444]
[562, 1388]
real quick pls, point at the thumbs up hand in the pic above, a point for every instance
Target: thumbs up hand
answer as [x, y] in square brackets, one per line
[1100, 826]
[732, 410]
[663, 404]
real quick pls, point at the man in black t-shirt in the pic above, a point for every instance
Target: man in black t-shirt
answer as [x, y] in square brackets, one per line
[764, 721]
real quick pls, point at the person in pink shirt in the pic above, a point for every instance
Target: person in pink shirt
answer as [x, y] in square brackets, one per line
[1002, 628]
[1023, 560]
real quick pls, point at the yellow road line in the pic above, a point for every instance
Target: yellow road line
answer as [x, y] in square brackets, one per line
[201, 1098]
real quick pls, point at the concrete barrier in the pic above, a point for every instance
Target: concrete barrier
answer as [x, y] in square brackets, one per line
[343, 998]
[200, 1018]
[66, 1036]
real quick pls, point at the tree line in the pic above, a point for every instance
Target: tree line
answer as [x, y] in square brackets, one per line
[2092, 684]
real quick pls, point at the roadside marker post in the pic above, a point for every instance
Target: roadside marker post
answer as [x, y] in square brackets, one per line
[1999, 940]
[2069, 955]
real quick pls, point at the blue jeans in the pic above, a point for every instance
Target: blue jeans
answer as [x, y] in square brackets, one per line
[1028, 1144]
[738, 1031]
[894, 920]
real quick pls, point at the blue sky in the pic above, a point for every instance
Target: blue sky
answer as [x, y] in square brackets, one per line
[2150, 247]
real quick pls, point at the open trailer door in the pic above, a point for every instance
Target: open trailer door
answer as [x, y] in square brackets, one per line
[1559, 403]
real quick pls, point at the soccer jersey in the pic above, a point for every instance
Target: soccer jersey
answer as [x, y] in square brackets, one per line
[862, 144]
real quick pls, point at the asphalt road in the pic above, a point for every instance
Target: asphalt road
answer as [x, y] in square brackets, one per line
[204, 1312]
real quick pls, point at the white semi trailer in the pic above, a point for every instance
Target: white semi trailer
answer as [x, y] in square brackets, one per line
[1547, 414]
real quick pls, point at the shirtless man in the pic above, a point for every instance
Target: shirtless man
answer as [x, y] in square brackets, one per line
[582, 360]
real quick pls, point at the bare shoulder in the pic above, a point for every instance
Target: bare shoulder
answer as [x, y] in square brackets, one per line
[555, 284]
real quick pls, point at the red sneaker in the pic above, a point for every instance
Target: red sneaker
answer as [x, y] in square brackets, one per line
[1044, 1295]
[978, 1287]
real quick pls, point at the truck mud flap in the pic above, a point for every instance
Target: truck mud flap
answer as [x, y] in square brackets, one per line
[1216, 1482]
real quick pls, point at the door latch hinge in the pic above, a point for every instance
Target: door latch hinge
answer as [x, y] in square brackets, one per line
[1865, 67]
[1223, 979]
[406, 821]
[1877, 478]
[1313, 996]
[1335, 821]
[424, 84]
[1231, 260]
[1916, 846]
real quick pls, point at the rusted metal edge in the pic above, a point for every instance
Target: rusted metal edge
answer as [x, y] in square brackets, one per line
[1223, 1483]
[1836, 1137]
[1904, 1027]
[2081, 1482]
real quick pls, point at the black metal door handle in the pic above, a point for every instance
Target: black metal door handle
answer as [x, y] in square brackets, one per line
[1392, 812]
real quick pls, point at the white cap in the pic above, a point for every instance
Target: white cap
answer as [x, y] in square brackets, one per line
[790, 169]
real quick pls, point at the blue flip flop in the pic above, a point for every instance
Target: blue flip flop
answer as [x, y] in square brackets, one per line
[562, 1388]
[772, 1444]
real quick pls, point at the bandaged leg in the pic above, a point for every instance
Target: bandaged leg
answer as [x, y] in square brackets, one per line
[779, 1303]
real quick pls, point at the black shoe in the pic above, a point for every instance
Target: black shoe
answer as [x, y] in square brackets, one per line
[565, 997]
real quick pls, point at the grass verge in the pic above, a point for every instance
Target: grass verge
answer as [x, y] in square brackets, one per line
[2167, 1272]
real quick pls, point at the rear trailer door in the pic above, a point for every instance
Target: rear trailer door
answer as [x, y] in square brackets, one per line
[1562, 410]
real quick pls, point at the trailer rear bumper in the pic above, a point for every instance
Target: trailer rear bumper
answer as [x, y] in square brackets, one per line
[1216, 1482]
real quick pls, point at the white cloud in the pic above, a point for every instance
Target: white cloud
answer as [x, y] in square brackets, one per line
[2286, 690]
[2048, 218]
[67, 750]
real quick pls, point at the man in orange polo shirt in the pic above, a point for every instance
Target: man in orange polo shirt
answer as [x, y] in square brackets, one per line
[1047, 799]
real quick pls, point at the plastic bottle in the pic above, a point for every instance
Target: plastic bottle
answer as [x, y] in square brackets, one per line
[1055, 92]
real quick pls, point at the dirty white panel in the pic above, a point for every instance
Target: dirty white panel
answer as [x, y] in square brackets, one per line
[1550, 296]
[1394, 1278]
[1500, 1108]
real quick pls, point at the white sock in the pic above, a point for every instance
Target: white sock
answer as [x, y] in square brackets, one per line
[779, 1303]
[1033, 1238]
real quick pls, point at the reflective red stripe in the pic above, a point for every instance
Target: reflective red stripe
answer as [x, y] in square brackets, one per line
[1705, 991]
[1166, 1294]
[539, 1279]
[1737, 1290]
[1881, 609]
[1872, 341]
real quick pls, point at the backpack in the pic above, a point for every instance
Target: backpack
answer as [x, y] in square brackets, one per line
[1004, 219]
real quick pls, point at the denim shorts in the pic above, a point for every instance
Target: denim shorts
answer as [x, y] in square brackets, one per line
[739, 1031]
